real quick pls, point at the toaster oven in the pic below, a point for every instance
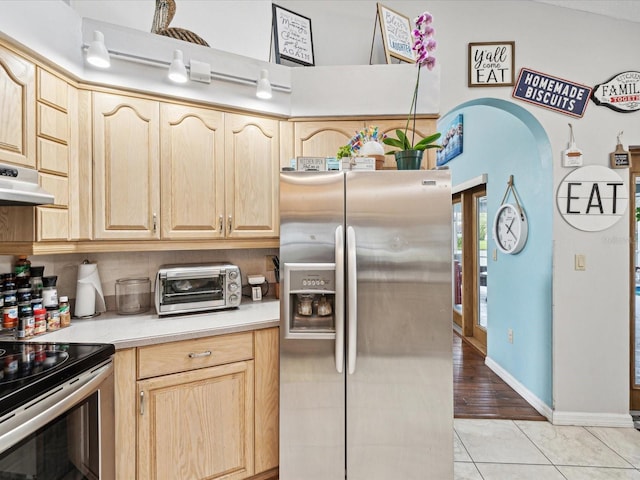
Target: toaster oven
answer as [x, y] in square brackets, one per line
[189, 288]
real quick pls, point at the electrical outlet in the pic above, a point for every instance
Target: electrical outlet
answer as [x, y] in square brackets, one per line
[510, 335]
[269, 263]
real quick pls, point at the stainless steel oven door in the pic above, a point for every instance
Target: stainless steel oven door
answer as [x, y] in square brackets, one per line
[67, 433]
[190, 290]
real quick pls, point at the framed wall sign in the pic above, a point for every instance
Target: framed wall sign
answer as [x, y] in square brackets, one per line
[620, 93]
[292, 37]
[396, 35]
[492, 64]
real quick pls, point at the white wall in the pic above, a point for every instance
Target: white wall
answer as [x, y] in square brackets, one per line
[591, 317]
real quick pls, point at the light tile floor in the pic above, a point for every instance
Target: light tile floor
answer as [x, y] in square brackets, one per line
[524, 450]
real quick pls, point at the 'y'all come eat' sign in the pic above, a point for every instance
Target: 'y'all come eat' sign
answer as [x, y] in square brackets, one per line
[491, 64]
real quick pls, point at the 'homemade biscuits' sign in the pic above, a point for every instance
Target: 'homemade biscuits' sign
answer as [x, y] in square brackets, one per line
[552, 92]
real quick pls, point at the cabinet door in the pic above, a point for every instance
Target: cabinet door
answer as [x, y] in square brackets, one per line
[197, 424]
[126, 176]
[324, 138]
[192, 172]
[17, 110]
[251, 173]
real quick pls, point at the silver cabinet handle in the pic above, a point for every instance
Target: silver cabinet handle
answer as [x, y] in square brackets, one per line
[155, 222]
[200, 355]
[230, 224]
[352, 303]
[339, 306]
[142, 402]
[221, 223]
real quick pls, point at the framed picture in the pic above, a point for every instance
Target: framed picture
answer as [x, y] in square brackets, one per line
[396, 35]
[451, 142]
[492, 64]
[292, 36]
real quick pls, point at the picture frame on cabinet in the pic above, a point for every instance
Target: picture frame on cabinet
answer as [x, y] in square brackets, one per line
[396, 34]
[491, 64]
[292, 37]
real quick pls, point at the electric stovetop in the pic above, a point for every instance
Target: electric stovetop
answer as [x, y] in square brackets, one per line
[28, 370]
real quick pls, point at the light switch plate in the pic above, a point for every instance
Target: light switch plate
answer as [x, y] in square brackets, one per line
[580, 262]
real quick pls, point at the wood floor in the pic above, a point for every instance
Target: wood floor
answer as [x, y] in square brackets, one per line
[480, 393]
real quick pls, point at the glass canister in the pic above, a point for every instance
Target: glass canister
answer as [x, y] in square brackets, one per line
[133, 295]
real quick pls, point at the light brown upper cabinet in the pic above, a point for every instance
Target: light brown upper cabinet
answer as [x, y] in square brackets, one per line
[192, 172]
[252, 167]
[126, 180]
[323, 138]
[17, 108]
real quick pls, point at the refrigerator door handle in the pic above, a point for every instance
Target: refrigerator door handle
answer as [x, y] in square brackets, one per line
[352, 301]
[339, 306]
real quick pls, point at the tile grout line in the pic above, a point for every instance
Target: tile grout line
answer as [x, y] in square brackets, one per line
[468, 453]
[610, 448]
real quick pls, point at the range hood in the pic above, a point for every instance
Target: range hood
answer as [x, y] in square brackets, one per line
[19, 187]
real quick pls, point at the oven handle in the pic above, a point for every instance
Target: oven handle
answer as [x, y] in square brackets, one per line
[33, 416]
[193, 273]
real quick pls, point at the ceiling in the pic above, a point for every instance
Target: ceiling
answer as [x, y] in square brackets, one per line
[621, 9]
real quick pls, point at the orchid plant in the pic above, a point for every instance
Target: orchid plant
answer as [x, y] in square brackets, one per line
[424, 45]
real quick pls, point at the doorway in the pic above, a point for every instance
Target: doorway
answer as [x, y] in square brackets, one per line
[470, 230]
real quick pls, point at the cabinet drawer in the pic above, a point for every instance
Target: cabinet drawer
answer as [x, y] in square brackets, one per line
[186, 355]
[58, 187]
[53, 123]
[53, 157]
[52, 90]
[53, 224]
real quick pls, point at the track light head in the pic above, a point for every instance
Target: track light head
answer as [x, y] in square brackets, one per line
[97, 53]
[263, 89]
[177, 69]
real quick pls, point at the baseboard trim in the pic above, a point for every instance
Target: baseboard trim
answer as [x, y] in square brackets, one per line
[585, 419]
[542, 408]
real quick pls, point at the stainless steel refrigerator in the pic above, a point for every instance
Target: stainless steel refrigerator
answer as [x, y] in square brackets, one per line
[366, 382]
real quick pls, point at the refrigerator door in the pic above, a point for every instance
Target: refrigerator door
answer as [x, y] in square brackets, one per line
[312, 409]
[400, 378]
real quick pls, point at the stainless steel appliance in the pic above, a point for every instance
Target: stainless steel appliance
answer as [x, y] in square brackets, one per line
[366, 389]
[19, 186]
[56, 411]
[189, 288]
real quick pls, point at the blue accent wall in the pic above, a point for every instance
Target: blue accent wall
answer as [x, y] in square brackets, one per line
[503, 139]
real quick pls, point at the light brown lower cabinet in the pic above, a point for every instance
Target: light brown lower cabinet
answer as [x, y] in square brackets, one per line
[203, 409]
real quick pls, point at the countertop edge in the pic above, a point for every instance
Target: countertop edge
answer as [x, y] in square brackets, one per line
[190, 335]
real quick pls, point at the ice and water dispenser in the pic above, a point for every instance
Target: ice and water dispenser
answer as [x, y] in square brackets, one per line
[310, 300]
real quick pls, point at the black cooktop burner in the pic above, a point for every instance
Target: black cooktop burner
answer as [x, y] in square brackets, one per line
[28, 370]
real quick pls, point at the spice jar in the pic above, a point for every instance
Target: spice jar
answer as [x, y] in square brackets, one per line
[49, 291]
[36, 281]
[65, 312]
[22, 268]
[40, 321]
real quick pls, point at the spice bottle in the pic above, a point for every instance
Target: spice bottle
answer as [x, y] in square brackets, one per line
[49, 291]
[25, 316]
[10, 307]
[22, 267]
[36, 281]
[65, 312]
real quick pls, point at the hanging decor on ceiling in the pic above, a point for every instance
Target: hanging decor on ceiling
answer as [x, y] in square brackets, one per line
[572, 156]
[165, 10]
[621, 93]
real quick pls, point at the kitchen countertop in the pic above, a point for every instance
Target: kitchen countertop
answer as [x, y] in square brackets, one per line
[126, 331]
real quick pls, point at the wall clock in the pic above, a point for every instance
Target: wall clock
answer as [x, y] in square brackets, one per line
[510, 228]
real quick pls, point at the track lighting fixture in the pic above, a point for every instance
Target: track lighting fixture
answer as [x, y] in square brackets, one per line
[177, 69]
[263, 89]
[97, 54]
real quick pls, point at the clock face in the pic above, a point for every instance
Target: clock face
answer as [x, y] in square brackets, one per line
[510, 229]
